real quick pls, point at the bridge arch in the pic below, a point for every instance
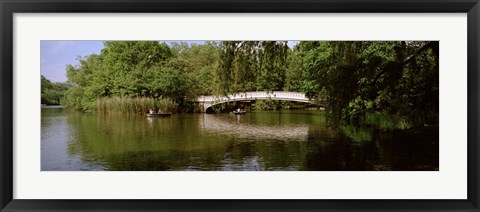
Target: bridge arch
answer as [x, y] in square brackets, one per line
[210, 101]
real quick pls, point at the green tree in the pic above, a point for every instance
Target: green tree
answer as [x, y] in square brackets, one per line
[51, 93]
[124, 68]
[199, 63]
[361, 79]
[293, 73]
[252, 65]
[272, 65]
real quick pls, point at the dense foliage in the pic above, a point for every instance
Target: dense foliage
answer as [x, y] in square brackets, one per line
[392, 84]
[52, 93]
[369, 82]
[252, 65]
[143, 69]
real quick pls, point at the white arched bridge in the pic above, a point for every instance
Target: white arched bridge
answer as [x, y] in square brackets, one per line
[209, 101]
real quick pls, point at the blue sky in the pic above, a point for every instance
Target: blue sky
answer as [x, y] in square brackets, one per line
[56, 55]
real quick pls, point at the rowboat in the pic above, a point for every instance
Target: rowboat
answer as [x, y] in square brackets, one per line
[239, 112]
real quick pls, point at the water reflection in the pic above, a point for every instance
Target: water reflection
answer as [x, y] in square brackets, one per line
[57, 138]
[241, 127]
[291, 140]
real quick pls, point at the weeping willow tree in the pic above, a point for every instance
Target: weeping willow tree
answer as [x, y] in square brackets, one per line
[252, 65]
[365, 81]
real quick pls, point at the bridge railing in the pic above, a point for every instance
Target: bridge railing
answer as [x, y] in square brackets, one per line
[253, 95]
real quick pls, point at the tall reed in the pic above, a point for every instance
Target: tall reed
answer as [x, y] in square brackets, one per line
[134, 105]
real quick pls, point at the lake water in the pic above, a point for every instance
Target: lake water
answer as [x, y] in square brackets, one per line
[256, 141]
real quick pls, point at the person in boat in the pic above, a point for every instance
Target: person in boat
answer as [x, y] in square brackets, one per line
[151, 111]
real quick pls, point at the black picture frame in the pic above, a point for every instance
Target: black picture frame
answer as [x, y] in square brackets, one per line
[9, 7]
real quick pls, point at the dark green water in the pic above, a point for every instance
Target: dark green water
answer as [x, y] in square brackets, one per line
[277, 140]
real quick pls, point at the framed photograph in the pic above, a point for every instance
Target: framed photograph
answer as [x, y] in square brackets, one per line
[239, 105]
